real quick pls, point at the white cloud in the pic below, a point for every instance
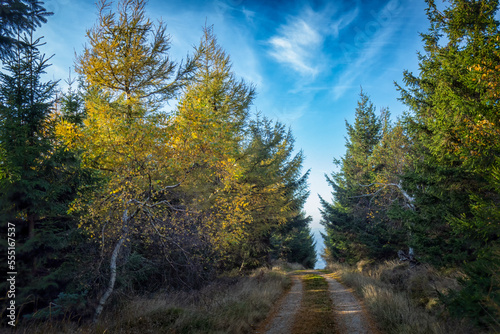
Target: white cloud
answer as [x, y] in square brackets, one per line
[343, 21]
[299, 43]
[296, 45]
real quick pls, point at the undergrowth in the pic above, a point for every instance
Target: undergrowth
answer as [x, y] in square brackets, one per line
[229, 305]
[403, 299]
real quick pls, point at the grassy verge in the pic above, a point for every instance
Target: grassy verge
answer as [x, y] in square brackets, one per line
[315, 315]
[230, 305]
[403, 300]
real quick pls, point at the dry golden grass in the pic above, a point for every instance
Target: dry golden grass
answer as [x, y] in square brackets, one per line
[230, 305]
[403, 300]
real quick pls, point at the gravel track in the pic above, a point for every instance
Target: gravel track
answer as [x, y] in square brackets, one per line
[349, 315]
[285, 313]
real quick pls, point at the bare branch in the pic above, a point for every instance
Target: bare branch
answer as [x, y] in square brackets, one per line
[410, 199]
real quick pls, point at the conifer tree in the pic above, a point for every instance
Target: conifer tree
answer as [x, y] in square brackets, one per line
[26, 135]
[348, 220]
[18, 17]
[293, 241]
[277, 191]
[38, 178]
[209, 129]
[455, 124]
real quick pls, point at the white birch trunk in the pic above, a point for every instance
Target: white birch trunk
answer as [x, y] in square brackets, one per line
[112, 267]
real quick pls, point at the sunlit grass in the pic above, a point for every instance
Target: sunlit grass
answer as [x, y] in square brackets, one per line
[402, 300]
[316, 314]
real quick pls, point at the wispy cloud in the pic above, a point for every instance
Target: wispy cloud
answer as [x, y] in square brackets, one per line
[368, 45]
[299, 43]
[249, 15]
[296, 45]
[342, 22]
[290, 115]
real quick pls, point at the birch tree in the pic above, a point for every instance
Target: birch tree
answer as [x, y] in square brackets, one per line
[124, 135]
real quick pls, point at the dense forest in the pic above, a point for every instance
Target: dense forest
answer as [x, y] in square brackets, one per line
[105, 193]
[150, 174]
[427, 186]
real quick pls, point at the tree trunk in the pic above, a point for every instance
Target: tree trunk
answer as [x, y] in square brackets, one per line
[112, 266]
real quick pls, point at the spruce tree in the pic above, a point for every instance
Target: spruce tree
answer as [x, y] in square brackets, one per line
[348, 220]
[455, 124]
[16, 18]
[26, 136]
[293, 241]
[278, 191]
[38, 179]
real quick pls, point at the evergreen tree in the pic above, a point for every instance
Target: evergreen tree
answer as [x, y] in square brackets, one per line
[390, 202]
[16, 18]
[277, 194]
[38, 180]
[349, 221]
[293, 241]
[455, 123]
[25, 136]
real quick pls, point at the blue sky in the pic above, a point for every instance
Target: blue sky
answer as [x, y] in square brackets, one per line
[307, 59]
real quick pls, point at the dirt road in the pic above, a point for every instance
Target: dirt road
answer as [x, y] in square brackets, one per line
[348, 315]
[281, 319]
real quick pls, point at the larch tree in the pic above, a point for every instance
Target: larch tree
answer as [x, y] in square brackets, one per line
[243, 180]
[125, 136]
[210, 127]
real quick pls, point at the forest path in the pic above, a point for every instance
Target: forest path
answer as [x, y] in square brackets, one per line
[350, 315]
[303, 311]
[281, 319]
